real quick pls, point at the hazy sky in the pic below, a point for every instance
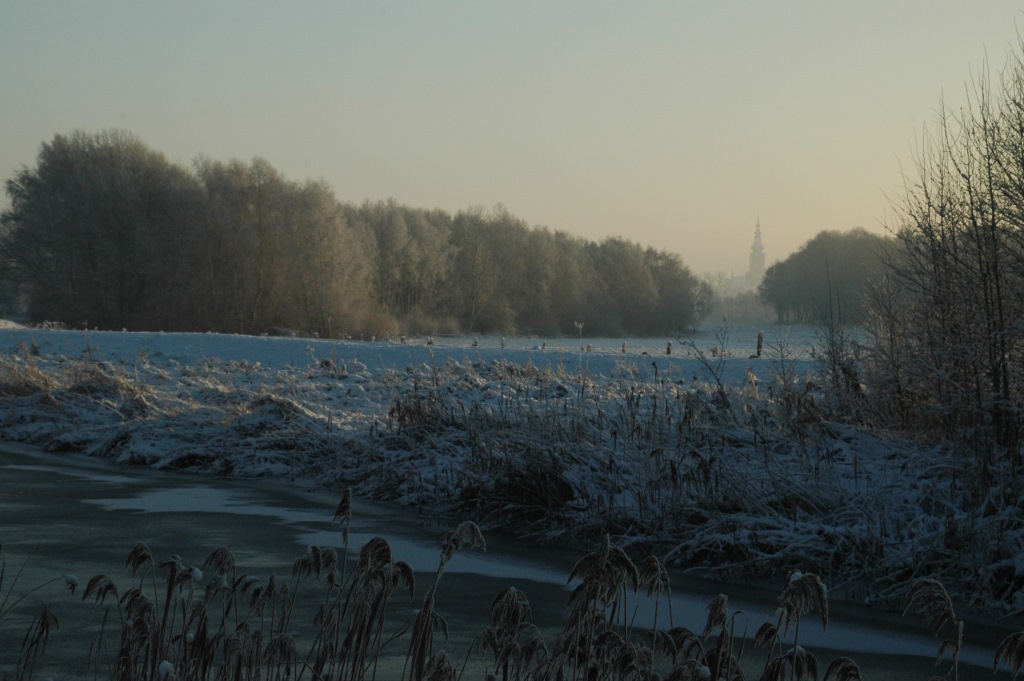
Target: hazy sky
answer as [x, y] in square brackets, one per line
[674, 124]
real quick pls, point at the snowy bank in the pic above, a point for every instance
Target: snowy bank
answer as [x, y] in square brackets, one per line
[713, 460]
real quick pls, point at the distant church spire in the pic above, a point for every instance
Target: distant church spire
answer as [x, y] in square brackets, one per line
[756, 270]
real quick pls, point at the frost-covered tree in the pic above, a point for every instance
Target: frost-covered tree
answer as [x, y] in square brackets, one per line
[96, 231]
[280, 254]
[246, 219]
[948, 343]
[832, 270]
[108, 232]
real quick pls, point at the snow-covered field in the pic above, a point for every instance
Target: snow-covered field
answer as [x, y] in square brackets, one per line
[709, 458]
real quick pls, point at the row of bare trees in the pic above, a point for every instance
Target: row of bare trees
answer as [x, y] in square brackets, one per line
[108, 233]
[947, 324]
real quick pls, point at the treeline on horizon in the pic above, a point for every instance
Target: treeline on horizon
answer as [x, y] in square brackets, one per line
[828, 279]
[106, 232]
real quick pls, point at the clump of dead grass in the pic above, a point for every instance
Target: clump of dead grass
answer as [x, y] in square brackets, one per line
[20, 374]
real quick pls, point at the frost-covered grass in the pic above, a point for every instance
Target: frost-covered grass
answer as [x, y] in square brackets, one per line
[739, 467]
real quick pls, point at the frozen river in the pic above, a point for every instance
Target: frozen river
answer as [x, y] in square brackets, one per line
[69, 514]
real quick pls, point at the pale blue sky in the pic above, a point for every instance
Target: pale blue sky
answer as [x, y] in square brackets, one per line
[670, 123]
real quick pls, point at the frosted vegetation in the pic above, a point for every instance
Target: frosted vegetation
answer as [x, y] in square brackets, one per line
[704, 459]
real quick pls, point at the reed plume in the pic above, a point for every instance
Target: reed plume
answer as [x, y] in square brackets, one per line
[930, 599]
[1010, 651]
[428, 621]
[842, 669]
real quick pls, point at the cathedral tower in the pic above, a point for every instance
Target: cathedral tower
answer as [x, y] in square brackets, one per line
[756, 271]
